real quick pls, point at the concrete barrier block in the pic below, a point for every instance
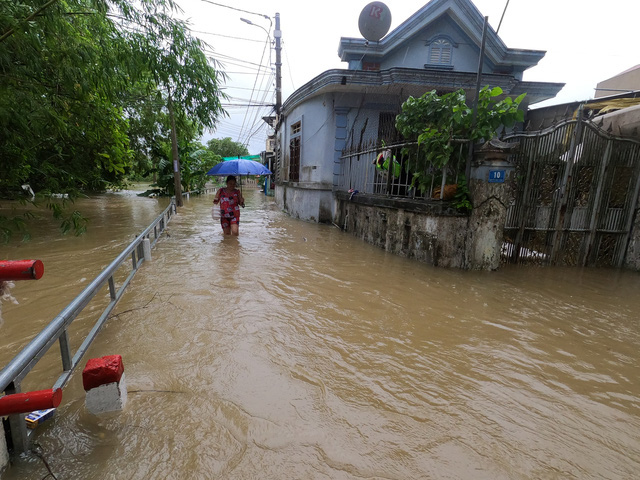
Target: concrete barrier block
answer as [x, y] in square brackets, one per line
[100, 371]
[110, 397]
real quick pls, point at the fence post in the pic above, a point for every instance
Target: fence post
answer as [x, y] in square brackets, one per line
[556, 243]
[629, 223]
[522, 214]
[595, 212]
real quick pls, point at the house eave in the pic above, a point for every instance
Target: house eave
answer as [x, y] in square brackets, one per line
[410, 81]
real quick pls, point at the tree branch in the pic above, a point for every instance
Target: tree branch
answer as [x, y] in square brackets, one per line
[11, 31]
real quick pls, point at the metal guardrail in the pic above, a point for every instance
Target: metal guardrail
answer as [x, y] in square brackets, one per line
[18, 368]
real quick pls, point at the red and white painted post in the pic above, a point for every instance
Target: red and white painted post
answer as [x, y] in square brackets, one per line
[103, 380]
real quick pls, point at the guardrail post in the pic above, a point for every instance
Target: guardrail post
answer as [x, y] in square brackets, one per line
[146, 248]
[65, 351]
[19, 436]
[112, 288]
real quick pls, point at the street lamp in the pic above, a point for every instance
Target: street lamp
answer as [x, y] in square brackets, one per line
[256, 25]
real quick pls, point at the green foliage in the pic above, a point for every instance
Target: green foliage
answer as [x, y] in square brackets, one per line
[443, 127]
[461, 201]
[225, 147]
[195, 166]
[195, 162]
[10, 225]
[83, 93]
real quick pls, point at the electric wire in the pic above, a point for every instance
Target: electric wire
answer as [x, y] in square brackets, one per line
[237, 9]
[293, 86]
[244, 120]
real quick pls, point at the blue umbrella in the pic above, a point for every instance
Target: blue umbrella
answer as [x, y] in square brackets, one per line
[239, 167]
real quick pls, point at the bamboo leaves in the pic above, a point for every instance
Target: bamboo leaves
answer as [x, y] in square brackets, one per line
[83, 89]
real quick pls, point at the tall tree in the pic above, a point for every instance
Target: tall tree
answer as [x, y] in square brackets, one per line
[225, 147]
[84, 86]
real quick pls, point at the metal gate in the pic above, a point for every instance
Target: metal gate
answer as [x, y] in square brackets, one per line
[575, 195]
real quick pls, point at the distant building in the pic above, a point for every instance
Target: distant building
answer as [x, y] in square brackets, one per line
[627, 81]
[436, 48]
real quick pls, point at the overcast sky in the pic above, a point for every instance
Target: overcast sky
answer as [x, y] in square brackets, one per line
[585, 44]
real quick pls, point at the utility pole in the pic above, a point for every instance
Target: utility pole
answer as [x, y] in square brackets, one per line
[467, 171]
[277, 35]
[176, 160]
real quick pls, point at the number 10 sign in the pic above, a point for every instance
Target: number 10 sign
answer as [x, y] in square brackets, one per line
[496, 176]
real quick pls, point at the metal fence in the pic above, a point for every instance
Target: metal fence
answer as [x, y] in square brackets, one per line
[17, 369]
[576, 194]
[391, 170]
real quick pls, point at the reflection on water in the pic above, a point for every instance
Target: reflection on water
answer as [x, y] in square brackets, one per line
[297, 351]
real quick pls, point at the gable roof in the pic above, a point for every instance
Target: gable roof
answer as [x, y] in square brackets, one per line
[466, 16]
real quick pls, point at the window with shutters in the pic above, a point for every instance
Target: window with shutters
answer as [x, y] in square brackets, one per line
[440, 52]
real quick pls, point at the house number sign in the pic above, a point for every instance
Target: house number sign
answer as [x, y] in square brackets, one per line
[496, 176]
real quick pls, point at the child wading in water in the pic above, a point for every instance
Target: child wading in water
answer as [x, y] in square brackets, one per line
[230, 200]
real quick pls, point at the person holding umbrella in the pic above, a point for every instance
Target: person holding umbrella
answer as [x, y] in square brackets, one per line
[230, 200]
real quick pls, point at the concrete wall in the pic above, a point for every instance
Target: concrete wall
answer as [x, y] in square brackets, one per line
[312, 204]
[433, 234]
[318, 134]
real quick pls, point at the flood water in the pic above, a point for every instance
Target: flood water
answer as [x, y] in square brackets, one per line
[297, 351]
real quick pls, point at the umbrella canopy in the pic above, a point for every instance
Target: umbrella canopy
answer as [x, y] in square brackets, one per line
[239, 167]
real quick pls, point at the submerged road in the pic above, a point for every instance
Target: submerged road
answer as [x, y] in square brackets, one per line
[298, 351]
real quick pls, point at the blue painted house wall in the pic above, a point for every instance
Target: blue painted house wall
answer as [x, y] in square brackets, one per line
[413, 53]
[341, 108]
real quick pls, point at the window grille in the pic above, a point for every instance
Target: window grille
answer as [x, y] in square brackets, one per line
[387, 128]
[294, 152]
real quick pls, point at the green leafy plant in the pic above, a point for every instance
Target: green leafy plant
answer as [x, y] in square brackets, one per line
[462, 198]
[443, 126]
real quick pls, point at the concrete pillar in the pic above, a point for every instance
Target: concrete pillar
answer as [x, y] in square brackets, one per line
[104, 381]
[490, 187]
[4, 452]
[146, 248]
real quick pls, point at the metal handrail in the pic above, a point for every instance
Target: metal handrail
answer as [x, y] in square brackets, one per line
[12, 374]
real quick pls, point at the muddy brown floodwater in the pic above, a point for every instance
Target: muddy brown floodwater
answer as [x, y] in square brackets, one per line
[297, 351]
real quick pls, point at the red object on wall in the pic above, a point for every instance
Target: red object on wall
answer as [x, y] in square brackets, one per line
[30, 401]
[21, 269]
[100, 371]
